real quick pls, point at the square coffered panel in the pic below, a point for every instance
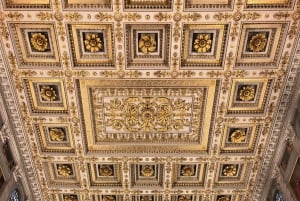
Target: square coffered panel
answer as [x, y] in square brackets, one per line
[36, 45]
[165, 111]
[203, 46]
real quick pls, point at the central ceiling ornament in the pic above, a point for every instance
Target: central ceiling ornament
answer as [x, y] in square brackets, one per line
[39, 42]
[258, 42]
[92, 42]
[202, 43]
[247, 93]
[147, 44]
[148, 114]
[48, 93]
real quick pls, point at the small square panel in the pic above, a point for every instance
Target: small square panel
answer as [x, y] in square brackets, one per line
[62, 173]
[147, 46]
[189, 174]
[195, 5]
[35, 44]
[150, 175]
[248, 96]
[66, 197]
[92, 45]
[105, 174]
[203, 45]
[55, 138]
[232, 174]
[261, 4]
[46, 95]
[148, 4]
[25, 4]
[260, 45]
[240, 138]
[100, 5]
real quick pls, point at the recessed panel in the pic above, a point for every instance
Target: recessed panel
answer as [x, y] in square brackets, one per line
[153, 116]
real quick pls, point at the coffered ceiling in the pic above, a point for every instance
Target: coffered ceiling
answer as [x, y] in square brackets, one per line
[148, 100]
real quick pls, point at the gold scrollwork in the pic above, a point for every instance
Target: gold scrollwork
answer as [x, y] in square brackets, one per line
[93, 42]
[202, 43]
[258, 42]
[247, 93]
[57, 134]
[229, 170]
[48, 93]
[147, 171]
[147, 44]
[64, 170]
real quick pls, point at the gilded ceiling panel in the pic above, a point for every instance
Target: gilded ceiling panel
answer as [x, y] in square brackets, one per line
[148, 100]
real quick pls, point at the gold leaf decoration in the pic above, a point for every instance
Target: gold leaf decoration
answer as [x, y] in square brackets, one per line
[39, 42]
[92, 42]
[48, 93]
[147, 44]
[57, 134]
[202, 43]
[229, 170]
[238, 136]
[108, 198]
[258, 42]
[105, 170]
[188, 170]
[64, 170]
[247, 93]
[147, 171]
[184, 198]
[70, 198]
[223, 198]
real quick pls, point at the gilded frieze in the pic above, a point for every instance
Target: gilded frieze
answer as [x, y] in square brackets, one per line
[87, 4]
[21, 4]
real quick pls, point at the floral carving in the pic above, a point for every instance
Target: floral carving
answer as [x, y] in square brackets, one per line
[57, 134]
[147, 171]
[187, 170]
[247, 93]
[184, 198]
[147, 44]
[64, 170]
[202, 43]
[70, 198]
[238, 136]
[148, 114]
[229, 170]
[106, 170]
[258, 42]
[92, 42]
[224, 198]
[48, 93]
[39, 42]
[108, 198]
